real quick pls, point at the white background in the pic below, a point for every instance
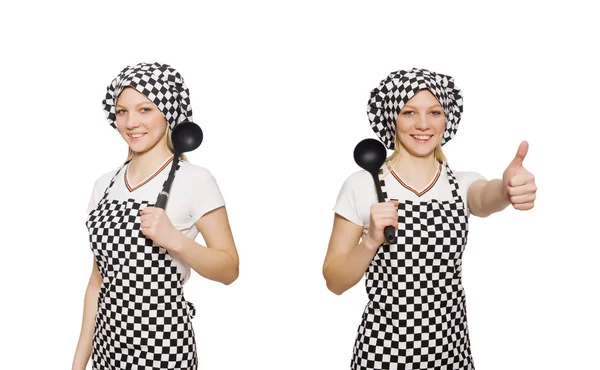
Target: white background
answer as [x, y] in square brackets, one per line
[280, 90]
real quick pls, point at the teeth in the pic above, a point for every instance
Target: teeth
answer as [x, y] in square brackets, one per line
[137, 135]
[419, 137]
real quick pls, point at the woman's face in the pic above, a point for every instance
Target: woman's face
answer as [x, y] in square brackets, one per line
[139, 121]
[421, 123]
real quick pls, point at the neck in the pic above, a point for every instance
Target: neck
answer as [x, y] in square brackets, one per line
[415, 170]
[143, 164]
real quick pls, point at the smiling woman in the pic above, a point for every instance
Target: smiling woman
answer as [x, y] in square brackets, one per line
[135, 313]
[416, 314]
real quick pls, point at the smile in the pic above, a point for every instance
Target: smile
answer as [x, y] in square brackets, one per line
[422, 138]
[135, 136]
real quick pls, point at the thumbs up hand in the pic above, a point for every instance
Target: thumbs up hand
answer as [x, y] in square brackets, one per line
[518, 183]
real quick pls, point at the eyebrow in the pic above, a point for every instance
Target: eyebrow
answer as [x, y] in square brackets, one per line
[137, 105]
[412, 107]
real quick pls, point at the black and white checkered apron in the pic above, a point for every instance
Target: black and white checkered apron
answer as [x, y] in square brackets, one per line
[143, 320]
[416, 315]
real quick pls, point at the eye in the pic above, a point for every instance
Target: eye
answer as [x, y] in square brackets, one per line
[437, 112]
[121, 111]
[408, 112]
[146, 109]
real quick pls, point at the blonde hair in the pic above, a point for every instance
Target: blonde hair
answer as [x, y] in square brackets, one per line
[169, 145]
[393, 159]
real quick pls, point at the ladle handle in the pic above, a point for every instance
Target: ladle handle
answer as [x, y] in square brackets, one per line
[163, 197]
[389, 231]
[161, 201]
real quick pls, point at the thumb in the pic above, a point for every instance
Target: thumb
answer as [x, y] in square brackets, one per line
[521, 153]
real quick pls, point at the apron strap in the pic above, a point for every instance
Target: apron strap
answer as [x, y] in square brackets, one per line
[454, 185]
[382, 184]
[112, 181]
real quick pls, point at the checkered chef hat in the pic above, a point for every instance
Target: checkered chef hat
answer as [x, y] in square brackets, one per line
[160, 83]
[393, 92]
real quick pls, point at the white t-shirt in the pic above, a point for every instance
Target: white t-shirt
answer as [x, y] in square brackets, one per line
[358, 193]
[194, 192]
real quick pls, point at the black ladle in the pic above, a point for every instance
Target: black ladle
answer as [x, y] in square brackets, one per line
[370, 155]
[186, 136]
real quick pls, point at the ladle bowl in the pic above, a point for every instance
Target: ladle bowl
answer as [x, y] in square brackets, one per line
[186, 136]
[370, 155]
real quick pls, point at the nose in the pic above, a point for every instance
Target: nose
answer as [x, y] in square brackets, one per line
[422, 122]
[132, 121]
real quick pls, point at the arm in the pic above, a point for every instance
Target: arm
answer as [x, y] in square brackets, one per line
[486, 197]
[90, 307]
[217, 261]
[517, 187]
[347, 259]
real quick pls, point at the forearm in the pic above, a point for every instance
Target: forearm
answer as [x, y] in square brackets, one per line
[345, 271]
[84, 346]
[492, 198]
[211, 263]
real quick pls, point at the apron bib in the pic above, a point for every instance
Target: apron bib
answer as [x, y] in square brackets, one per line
[143, 320]
[416, 317]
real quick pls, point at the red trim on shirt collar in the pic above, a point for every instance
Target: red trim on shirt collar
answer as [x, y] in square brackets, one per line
[130, 188]
[418, 193]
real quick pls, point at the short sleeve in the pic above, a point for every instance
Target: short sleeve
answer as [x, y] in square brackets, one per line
[352, 200]
[95, 197]
[206, 195]
[98, 191]
[465, 179]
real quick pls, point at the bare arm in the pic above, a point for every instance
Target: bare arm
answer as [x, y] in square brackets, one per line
[90, 307]
[347, 259]
[217, 261]
[486, 197]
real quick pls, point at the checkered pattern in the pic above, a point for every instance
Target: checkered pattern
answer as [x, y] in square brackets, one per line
[416, 316]
[143, 320]
[393, 92]
[160, 83]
